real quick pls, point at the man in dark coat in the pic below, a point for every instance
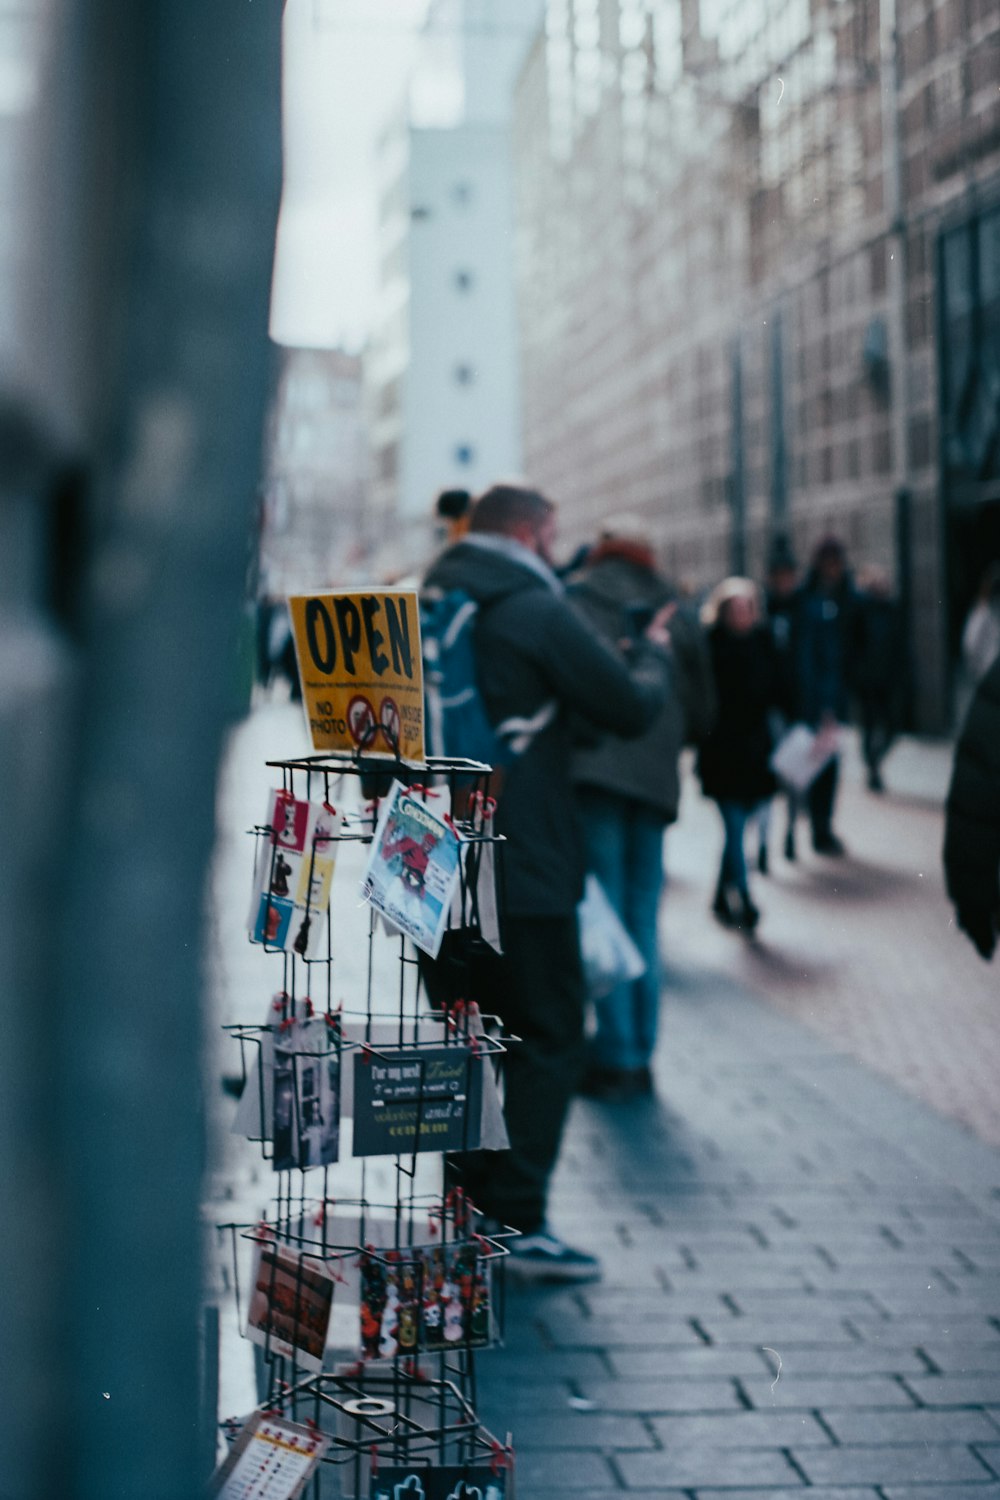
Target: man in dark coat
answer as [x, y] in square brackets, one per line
[533, 649]
[824, 646]
[629, 789]
[881, 669]
[972, 819]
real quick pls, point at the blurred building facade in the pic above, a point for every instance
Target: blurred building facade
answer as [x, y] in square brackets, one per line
[442, 366]
[759, 285]
[314, 522]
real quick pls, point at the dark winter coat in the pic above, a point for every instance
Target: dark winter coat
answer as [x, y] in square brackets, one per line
[972, 818]
[881, 664]
[533, 646]
[824, 649]
[734, 761]
[644, 768]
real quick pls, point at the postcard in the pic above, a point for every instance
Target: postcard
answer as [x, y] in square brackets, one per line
[293, 875]
[306, 1096]
[413, 868]
[290, 1303]
[417, 1099]
[272, 1459]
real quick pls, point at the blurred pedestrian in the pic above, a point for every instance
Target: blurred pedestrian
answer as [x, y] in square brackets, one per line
[734, 760]
[880, 673]
[824, 649]
[780, 598]
[981, 633]
[453, 509]
[972, 819]
[628, 791]
[539, 662]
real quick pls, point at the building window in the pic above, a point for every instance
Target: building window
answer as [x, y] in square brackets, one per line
[464, 374]
[463, 281]
[464, 454]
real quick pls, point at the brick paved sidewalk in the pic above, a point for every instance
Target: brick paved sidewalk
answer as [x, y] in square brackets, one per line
[802, 1290]
[803, 1262]
[864, 950]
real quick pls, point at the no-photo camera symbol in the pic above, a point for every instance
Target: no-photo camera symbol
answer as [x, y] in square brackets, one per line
[389, 717]
[361, 720]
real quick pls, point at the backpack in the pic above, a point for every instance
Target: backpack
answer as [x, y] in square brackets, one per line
[458, 725]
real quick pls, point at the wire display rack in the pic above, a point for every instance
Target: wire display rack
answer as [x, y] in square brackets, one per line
[413, 1270]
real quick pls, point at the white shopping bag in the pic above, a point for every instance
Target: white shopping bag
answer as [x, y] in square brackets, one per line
[610, 957]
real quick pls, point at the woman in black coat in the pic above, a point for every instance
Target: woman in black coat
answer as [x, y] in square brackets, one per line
[734, 762]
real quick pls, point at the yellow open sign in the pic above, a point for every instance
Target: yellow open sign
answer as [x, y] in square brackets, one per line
[361, 671]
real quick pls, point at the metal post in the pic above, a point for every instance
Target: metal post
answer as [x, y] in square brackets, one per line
[737, 491]
[178, 161]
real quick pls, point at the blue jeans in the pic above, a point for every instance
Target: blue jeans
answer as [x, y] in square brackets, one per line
[624, 840]
[735, 816]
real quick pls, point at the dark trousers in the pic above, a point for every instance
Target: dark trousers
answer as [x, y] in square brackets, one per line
[537, 990]
[822, 795]
[878, 729]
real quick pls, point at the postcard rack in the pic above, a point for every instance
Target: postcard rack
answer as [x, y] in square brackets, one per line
[374, 1280]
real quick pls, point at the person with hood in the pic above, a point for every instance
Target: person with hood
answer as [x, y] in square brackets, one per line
[537, 659]
[734, 761]
[824, 648]
[628, 792]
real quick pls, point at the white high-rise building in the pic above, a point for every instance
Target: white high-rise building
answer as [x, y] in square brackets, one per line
[442, 366]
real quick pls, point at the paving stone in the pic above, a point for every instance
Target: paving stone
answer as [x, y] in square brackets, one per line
[747, 1276]
[955, 1390]
[539, 1472]
[878, 1277]
[958, 1359]
[810, 1392]
[717, 1243]
[779, 1331]
[659, 1494]
[592, 1333]
[859, 1427]
[731, 1360]
[742, 1429]
[583, 1430]
[634, 1306]
[663, 1396]
[805, 1305]
[965, 1330]
[908, 1492]
[849, 1359]
[728, 1269]
[983, 1285]
[813, 1492]
[549, 1366]
[920, 1464]
[707, 1467]
[990, 1454]
[933, 1302]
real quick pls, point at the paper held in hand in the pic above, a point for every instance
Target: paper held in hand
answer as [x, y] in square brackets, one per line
[802, 753]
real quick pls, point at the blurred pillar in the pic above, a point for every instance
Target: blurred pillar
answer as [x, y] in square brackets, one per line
[737, 487]
[779, 447]
[156, 163]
